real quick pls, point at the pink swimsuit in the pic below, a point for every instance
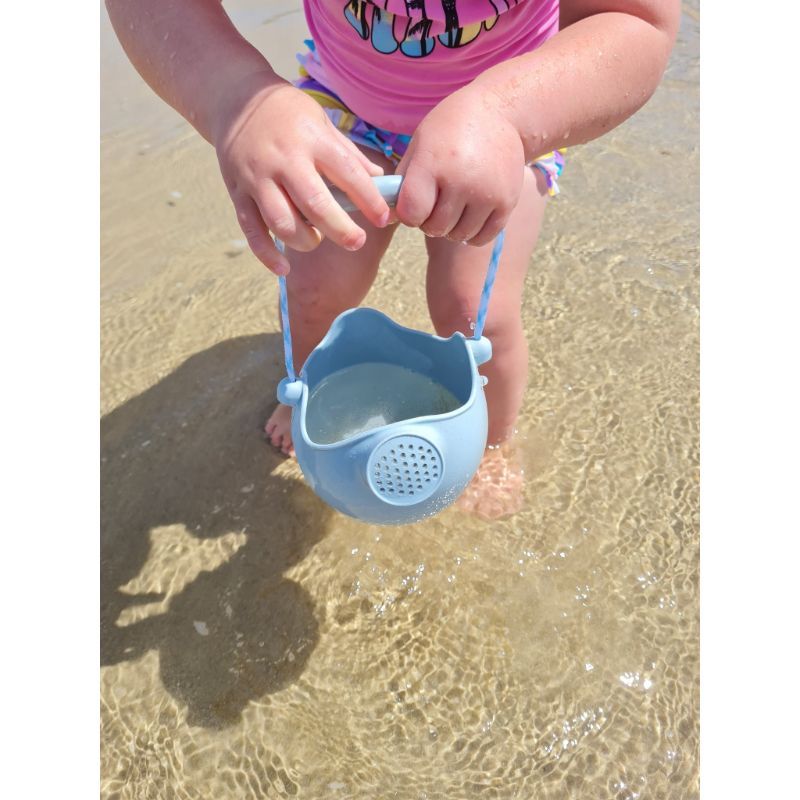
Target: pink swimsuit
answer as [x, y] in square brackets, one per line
[392, 61]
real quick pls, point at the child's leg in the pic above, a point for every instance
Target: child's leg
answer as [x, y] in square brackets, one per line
[321, 285]
[455, 278]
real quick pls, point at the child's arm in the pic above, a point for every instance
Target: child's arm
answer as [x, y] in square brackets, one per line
[274, 143]
[462, 169]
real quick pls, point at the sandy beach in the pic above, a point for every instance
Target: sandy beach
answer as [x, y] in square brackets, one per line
[256, 644]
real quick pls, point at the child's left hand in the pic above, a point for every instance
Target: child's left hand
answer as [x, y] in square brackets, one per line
[463, 170]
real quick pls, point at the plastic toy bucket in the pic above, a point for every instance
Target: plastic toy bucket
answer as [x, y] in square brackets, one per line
[406, 471]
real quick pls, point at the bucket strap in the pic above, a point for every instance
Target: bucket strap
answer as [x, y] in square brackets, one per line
[483, 306]
[390, 191]
[288, 359]
[488, 284]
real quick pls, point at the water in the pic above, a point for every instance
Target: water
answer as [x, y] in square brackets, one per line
[255, 644]
[367, 396]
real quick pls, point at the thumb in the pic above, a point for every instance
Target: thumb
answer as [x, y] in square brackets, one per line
[418, 194]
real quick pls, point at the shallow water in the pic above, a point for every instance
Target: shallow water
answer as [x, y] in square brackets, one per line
[256, 644]
[366, 396]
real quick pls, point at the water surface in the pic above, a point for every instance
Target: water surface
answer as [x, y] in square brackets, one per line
[256, 644]
[366, 396]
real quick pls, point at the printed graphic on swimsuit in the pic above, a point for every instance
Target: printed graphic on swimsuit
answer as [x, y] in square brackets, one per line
[411, 34]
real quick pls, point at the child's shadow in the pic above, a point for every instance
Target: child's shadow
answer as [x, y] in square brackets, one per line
[187, 453]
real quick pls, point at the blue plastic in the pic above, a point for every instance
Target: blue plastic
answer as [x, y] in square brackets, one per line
[346, 474]
[406, 471]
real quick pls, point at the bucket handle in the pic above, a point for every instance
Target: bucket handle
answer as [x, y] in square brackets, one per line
[389, 187]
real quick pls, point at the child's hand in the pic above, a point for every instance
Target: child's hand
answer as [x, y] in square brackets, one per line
[274, 151]
[463, 170]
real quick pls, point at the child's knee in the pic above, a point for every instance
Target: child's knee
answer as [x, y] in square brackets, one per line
[451, 313]
[458, 312]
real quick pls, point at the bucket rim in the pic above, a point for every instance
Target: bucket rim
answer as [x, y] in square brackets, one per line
[387, 430]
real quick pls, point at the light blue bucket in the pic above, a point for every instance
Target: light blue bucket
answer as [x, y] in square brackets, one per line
[405, 471]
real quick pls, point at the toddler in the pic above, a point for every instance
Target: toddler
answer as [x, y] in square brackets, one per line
[472, 101]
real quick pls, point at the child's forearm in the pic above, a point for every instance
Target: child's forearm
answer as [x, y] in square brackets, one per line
[597, 71]
[192, 56]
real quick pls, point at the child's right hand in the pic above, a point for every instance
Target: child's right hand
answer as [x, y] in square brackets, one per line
[274, 150]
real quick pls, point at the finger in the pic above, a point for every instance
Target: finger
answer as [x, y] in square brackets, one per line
[496, 222]
[470, 224]
[417, 196]
[283, 219]
[370, 166]
[258, 238]
[445, 215]
[346, 171]
[315, 202]
[375, 170]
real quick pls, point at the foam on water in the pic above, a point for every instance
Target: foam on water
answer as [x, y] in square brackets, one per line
[367, 396]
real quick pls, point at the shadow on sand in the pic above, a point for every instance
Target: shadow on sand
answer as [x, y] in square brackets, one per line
[188, 452]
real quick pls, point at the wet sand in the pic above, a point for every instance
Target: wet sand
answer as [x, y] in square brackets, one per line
[257, 644]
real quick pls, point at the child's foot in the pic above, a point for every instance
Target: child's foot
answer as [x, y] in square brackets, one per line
[279, 429]
[497, 489]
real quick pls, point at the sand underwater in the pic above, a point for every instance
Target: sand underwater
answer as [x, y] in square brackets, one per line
[256, 644]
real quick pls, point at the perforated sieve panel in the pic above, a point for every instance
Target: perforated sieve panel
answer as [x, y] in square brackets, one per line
[405, 470]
